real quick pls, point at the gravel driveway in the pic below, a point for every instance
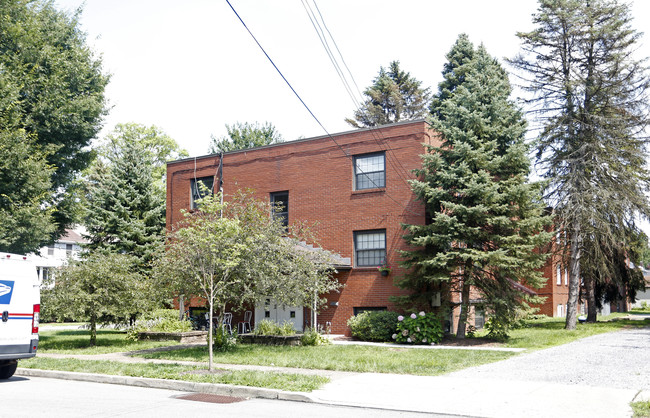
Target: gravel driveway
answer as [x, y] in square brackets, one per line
[619, 359]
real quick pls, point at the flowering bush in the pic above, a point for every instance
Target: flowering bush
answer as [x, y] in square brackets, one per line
[423, 328]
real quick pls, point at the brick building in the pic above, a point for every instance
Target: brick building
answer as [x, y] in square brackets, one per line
[353, 188]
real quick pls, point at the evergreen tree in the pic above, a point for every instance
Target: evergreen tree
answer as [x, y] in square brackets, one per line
[125, 213]
[158, 148]
[245, 135]
[486, 220]
[60, 88]
[590, 95]
[393, 96]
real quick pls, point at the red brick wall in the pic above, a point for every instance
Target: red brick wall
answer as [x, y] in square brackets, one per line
[319, 178]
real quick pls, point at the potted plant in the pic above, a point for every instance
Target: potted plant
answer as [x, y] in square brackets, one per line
[384, 268]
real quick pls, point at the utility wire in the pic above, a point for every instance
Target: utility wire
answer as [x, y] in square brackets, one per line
[376, 133]
[307, 107]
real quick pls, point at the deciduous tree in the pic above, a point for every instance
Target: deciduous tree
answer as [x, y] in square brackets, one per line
[236, 254]
[103, 288]
[60, 85]
[245, 135]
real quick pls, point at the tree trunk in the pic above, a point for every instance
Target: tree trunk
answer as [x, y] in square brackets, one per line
[181, 307]
[464, 309]
[210, 306]
[574, 278]
[93, 330]
[591, 299]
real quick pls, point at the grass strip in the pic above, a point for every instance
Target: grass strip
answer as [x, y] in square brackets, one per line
[545, 333]
[78, 342]
[352, 358]
[272, 380]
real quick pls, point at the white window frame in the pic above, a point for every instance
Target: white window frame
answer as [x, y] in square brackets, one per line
[558, 274]
[359, 251]
[365, 175]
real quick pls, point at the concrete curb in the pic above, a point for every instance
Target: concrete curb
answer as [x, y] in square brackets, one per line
[179, 385]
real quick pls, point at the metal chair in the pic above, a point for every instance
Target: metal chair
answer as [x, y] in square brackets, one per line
[245, 325]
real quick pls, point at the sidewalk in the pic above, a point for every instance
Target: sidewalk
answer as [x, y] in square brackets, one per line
[464, 396]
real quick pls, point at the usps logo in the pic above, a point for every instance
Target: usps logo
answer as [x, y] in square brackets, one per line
[6, 289]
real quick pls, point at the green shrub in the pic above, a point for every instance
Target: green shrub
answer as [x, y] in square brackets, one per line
[419, 329]
[159, 320]
[373, 325]
[223, 341]
[497, 327]
[268, 327]
[313, 337]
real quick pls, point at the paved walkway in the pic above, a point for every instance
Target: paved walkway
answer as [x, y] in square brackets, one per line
[531, 384]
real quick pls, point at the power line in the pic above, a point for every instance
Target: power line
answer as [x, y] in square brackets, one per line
[376, 133]
[307, 107]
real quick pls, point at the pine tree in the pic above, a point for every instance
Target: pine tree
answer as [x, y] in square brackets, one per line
[393, 96]
[590, 96]
[125, 211]
[486, 220]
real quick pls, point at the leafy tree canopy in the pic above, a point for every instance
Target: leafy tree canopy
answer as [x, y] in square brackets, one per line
[58, 93]
[393, 96]
[235, 254]
[245, 135]
[101, 289]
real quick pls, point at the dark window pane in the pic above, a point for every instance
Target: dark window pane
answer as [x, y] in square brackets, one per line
[199, 192]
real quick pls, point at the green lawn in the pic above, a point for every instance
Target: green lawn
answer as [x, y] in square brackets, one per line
[353, 358]
[78, 342]
[546, 333]
[282, 381]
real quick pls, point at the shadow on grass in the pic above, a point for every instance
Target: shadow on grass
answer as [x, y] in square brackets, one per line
[80, 339]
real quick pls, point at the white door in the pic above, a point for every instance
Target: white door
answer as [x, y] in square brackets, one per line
[268, 309]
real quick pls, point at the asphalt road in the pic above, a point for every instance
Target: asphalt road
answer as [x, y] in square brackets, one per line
[42, 397]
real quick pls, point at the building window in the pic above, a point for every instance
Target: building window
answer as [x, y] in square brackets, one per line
[566, 276]
[200, 188]
[560, 310]
[280, 204]
[479, 318]
[558, 274]
[50, 249]
[370, 247]
[370, 171]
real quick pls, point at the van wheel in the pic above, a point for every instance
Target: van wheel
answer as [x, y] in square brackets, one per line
[8, 370]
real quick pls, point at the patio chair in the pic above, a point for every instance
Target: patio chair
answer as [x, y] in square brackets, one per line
[245, 325]
[227, 322]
